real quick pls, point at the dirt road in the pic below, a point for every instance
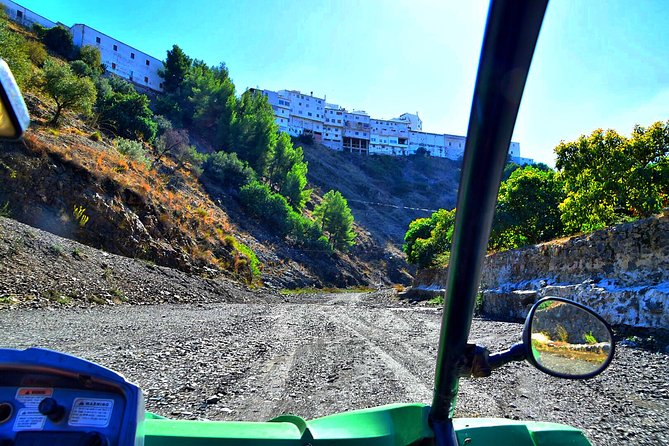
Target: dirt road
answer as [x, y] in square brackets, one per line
[318, 354]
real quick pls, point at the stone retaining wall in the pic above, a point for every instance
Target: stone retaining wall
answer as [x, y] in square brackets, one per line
[622, 272]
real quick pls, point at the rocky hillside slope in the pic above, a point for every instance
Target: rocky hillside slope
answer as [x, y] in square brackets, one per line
[161, 215]
[40, 269]
[385, 193]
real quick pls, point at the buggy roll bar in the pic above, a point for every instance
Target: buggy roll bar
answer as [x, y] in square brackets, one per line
[511, 34]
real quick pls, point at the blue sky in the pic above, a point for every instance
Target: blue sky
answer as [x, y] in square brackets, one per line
[598, 63]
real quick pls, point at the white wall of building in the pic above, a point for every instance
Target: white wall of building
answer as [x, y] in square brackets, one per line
[121, 59]
[306, 113]
[333, 128]
[25, 16]
[356, 131]
[281, 107]
[389, 137]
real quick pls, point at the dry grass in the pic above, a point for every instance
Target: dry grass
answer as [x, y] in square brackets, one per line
[187, 216]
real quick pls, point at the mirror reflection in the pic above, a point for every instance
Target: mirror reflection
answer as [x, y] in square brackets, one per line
[569, 340]
[7, 130]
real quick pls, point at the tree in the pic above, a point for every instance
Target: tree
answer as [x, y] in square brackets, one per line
[123, 111]
[81, 69]
[59, 40]
[129, 115]
[293, 187]
[36, 52]
[285, 156]
[336, 220]
[253, 131]
[610, 178]
[67, 90]
[90, 55]
[227, 169]
[176, 66]
[428, 240]
[173, 142]
[210, 102]
[527, 209]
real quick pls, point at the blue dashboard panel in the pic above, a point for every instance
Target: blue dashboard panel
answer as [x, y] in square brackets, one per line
[52, 398]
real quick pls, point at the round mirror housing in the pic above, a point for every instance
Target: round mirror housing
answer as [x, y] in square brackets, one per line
[14, 119]
[567, 339]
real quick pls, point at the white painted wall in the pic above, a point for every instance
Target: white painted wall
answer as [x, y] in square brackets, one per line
[121, 59]
[25, 16]
[399, 136]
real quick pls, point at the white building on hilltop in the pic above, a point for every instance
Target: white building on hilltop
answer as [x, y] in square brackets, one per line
[355, 131]
[25, 16]
[119, 58]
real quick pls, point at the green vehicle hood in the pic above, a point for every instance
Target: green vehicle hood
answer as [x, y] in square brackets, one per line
[391, 425]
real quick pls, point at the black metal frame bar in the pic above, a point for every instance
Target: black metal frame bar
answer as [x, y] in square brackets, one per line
[511, 34]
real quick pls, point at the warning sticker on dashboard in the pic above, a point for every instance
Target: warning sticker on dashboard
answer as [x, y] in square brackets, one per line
[91, 412]
[29, 420]
[30, 397]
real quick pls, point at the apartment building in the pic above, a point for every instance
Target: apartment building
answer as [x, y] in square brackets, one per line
[357, 132]
[389, 137]
[119, 58]
[333, 127]
[25, 16]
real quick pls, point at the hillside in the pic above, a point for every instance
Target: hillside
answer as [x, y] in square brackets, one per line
[385, 193]
[163, 216]
[201, 183]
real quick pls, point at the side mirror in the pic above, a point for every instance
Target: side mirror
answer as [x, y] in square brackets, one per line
[566, 339]
[14, 119]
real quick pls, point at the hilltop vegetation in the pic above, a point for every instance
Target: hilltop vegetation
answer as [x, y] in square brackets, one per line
[601, 180]
[160, 177]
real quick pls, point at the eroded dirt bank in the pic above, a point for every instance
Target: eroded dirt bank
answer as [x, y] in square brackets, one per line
[316, 355]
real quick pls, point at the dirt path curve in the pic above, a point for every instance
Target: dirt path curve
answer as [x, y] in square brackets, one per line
[320, 354]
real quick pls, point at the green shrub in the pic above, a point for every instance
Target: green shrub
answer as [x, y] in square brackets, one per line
[280, 216]
[5, 211]
[36, 52]
[228, 169]
[59, 40]
[39, 30]
[80, 68]
[132, 149]
[90, 55]
[68, 91]
[127, 113]
[13, 51]
[252, 259]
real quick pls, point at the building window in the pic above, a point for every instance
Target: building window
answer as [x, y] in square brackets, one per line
[160, 86]
[115, 48]
[19, 15]
[97, 40]
[309, 113]
[146, 79]
[113, 66]
[147, 62]
[132, 55]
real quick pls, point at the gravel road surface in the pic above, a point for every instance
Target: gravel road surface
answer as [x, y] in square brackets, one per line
[319, 354]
